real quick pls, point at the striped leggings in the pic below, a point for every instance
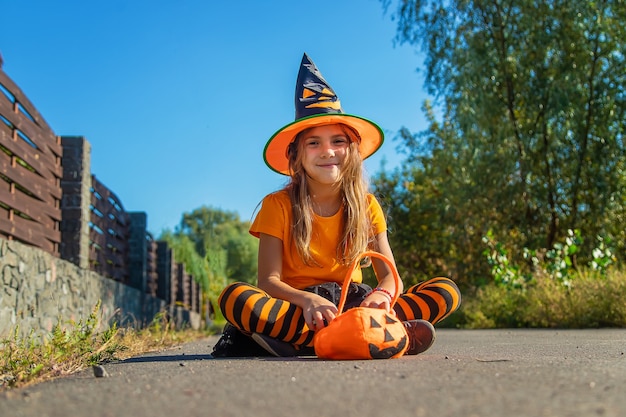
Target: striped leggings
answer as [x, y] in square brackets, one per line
[252, 310]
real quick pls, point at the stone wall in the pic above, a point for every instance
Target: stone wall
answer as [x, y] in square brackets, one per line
[38, 290]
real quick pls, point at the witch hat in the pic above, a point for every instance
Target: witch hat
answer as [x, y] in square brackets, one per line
[317, 104]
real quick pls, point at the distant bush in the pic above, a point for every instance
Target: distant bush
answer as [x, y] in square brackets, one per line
[590, 300]
[549, 290]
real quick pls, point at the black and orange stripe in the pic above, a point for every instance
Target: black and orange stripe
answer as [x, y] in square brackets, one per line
[431, 300]
[252, 310]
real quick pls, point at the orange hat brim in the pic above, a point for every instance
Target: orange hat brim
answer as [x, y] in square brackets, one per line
[275, 152]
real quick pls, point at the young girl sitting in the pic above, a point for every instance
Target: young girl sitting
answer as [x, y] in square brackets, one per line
[312, 230]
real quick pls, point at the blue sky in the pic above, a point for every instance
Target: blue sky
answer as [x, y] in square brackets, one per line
[178, 98]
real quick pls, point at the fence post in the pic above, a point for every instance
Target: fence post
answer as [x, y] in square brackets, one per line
[152, 275]
[165, 272]
[138, 251]
[195, 287]
[75, 203]
[184, 286]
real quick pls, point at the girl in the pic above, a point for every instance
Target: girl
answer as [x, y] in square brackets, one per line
[312, 230]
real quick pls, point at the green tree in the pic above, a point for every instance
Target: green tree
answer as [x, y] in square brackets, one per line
[526, 135]
[223, 240]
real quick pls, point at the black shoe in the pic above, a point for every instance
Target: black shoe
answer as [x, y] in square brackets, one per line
[281, 349]
[235, 343]
[421, 336]
[275, 347]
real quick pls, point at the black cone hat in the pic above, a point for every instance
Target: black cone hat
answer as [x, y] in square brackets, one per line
[317, 104]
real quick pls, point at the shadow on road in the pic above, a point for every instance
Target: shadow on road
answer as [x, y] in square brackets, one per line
[167, 358]
[185, 358]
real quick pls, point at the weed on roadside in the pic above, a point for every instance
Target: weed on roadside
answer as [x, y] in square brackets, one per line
[75, 346]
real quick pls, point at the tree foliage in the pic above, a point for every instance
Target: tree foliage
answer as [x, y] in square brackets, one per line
[185, 253]
[525, 137]
[223, 239]
[215, 247]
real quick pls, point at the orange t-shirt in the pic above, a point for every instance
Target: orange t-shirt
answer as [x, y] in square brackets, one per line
[275, 218]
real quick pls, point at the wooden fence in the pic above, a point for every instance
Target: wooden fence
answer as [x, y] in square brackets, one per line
[30, 172]
[49, 199]
[108, 233]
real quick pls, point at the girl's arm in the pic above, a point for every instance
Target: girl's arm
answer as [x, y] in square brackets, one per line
[317, 310]
[379, 299]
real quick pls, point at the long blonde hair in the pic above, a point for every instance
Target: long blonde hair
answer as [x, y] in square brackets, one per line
[356, 235]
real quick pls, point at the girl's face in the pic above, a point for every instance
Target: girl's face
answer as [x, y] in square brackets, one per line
[324, 150]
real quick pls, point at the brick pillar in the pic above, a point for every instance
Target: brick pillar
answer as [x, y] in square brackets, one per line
[180, 287]
[165, 273]
[195, 287]
[174, 281]
[151, 275]
[76, 200]
[199, 298]
[138, 251]
[184, 286]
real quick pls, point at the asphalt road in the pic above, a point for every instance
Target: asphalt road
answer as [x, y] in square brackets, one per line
[538, 373]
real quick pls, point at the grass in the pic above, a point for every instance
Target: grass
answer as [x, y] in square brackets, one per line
[74, 346]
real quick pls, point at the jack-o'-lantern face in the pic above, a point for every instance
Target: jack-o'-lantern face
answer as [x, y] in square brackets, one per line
[362, 333]
[386, 339]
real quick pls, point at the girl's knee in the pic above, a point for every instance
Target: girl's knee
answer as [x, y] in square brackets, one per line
[446, 288]
[229, 289]
[234, 291]
[434, 282]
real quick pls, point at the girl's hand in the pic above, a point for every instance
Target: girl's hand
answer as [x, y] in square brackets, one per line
[377, 299]
[318, 311]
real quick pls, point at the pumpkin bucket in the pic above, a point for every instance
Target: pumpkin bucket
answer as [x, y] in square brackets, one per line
[363, 332]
